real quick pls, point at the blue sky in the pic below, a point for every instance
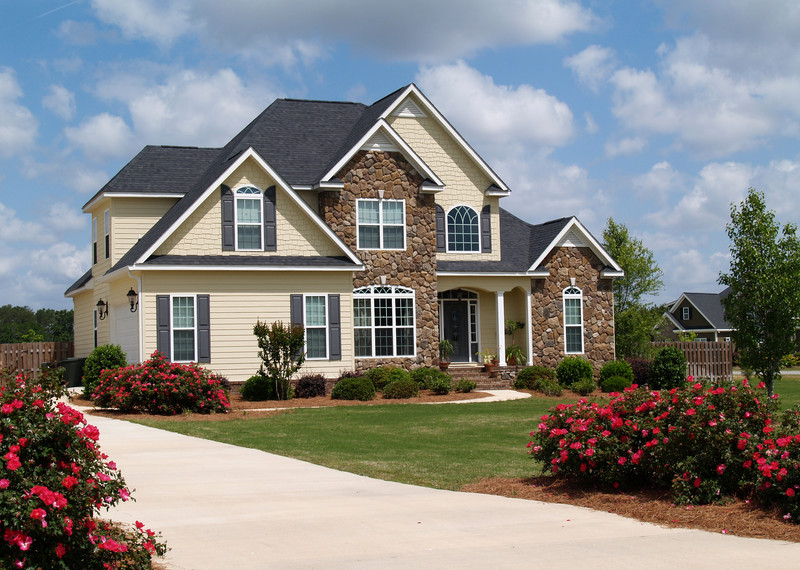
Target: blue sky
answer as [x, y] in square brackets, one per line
[658, 114]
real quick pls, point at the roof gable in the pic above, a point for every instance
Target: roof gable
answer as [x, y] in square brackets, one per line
[575, 234]
[708, 305]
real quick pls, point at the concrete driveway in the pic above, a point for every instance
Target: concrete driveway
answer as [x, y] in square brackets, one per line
[221, 506]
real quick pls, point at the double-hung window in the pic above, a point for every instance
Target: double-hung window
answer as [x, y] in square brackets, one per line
[573, 320]
[384, 321]
[316, 326]
[94, 240]
[184, 337]
[249, 219]
[381, 224]
[107, 230]
[463, 232]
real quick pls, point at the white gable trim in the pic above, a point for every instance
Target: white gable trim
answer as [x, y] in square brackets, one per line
[427, 107]
[282, 268]
[381, 127]
[575, 226]
[688, 300]
[250, 153]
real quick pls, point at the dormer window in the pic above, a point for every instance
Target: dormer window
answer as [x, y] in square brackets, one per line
[463, 232]
[249, 221]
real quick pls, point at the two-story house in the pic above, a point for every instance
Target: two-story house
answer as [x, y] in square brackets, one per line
[376, 227]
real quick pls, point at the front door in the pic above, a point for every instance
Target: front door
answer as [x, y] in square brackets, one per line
[456, 328]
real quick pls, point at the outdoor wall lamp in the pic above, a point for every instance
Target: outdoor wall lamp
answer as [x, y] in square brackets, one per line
[133, 299]
[102, 309]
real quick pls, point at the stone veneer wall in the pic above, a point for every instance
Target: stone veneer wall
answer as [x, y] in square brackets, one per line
[414, 267]
[548, 307]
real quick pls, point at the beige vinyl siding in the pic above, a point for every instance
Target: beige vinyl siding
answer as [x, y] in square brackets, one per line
[237, 301]
[201, 232]
[131, 218]
[83, 324]
[102, 264]
[464, 181]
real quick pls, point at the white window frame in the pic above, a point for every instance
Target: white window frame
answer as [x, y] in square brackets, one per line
[393, 292]
[236, 224]
[572, 293]
[324, 327]
[381, 224]
[173, 328]
[107, 230]
[94, 240]
[477, 230]
[686, 313]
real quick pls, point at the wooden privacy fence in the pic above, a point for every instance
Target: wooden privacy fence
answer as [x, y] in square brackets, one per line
[29, 356]
[713, 360]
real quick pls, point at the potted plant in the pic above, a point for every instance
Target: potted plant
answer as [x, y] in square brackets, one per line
[445, 350]
[488, 357]
[514, 355]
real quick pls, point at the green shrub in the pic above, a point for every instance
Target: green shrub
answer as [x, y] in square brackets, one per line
[310, 386]
[401, 389]
[668, 370]
[615, 384]
[573, 369]
[258, 388]
[616, 368]
[441, 385]
[360, 388]
[158, 386]
[584, 387]
[380, 376]
[464, 385]
[424, 376]
[101, 358]
[529, 378]
[549, 387]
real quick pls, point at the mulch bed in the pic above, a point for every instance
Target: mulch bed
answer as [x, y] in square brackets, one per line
[739, 517]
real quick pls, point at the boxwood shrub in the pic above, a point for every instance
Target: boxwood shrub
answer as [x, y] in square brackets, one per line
[441, 385]
[464, 385]
[615, 384]
[584, 387]
[359, 388]
[401, 389]
[106, 357]
[529, 378]
[572, 370]
[258, 388]
[668, 370]
[425, 376]
[383, 375]
[616, 368]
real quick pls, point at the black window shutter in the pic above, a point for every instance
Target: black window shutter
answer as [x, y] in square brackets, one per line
[334, 328]
[486, 229]
[203, 329]
[228, 229]
[296, 306]
[162, 323]
[441, 226]
[270, 220]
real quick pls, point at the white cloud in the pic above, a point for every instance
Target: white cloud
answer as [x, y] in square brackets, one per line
[60, 101]
[496, 114]
[593, 66]
[286, 30]
[661, 181]
[695, 271]
[14, 229]
[18, 126]
[102, 136]
[63, 217]
[625, 146]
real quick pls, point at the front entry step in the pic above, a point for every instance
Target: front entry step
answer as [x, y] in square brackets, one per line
[502, 379]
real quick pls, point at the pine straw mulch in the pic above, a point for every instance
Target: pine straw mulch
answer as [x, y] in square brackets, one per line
[739, 517]
[244, 410]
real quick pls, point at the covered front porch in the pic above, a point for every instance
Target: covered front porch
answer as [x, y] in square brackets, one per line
[475, 313]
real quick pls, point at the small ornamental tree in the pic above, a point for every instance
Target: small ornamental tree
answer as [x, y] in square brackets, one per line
[280, 348]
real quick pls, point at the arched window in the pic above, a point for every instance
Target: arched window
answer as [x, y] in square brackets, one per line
[463, 232]
[249, 221]
[573, 320]
[383, 320]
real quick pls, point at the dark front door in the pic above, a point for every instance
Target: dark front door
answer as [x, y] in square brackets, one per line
[456, 329]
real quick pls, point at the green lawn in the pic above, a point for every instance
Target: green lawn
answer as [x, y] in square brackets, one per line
[441, 446]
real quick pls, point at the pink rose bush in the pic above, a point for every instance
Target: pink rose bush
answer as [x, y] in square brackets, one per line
[54, 481]
[158, 386]
[704, 443]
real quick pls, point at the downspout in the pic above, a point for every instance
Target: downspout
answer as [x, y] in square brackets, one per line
[141, 304]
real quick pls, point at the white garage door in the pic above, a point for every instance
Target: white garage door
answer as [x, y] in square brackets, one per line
[124, 331]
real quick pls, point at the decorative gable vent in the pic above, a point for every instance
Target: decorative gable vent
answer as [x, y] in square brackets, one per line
[380, 142]
[573, 239]
[408, 109]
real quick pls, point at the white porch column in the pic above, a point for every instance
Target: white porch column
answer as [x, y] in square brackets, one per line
[528, 326]
[501, 327]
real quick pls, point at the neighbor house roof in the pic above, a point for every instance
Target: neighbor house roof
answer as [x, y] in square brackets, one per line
[709, 305]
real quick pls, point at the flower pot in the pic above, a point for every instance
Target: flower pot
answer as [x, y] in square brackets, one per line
[443, 366]
[488, 367]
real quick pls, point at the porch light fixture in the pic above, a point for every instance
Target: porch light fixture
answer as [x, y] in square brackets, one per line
[133, 299]
[102, 309]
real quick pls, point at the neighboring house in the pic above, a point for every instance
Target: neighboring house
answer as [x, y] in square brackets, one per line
[376, 227]
[698, 313]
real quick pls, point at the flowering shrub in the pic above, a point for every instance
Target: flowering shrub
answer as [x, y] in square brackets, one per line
[53, 481]
[158, 386]
[695, 440]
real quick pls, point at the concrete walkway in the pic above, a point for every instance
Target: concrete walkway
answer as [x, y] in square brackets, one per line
[221, 506]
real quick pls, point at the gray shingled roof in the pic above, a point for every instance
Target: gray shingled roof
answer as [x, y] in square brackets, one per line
[710, 304]
[521, 244]
[82, 280]
[250, 260]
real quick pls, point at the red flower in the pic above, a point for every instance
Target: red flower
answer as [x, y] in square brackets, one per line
[790, 492]
[697, 482]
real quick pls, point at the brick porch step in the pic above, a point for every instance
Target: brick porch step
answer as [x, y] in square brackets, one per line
[501, 379]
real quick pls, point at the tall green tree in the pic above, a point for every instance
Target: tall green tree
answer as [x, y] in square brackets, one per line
[21, 324]
[634, 319]
[763, 307]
